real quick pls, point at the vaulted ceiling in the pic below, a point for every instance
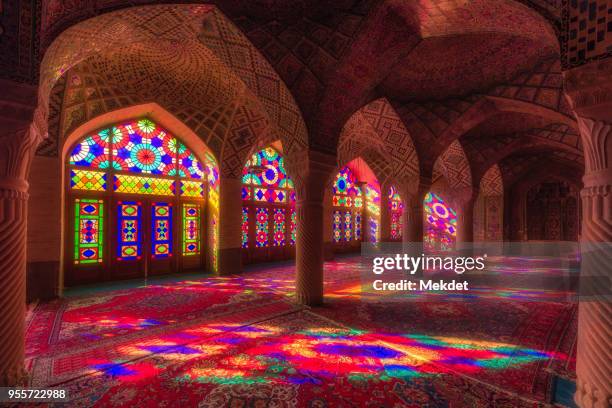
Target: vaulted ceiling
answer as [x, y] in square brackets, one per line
[419, 90]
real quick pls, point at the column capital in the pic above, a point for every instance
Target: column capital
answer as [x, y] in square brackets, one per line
[311, 172]
[597, 145]
[17, 148]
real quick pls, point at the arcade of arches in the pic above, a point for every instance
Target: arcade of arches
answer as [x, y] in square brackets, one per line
[252, 147]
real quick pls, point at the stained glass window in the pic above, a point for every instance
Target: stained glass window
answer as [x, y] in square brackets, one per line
[129, 237]
[161, 226]
[337, 226]
[191, 229]
[268, 191]
[348, 225]
[124, 183]
[188, 164]
[192, 189]
[139, 147]
[88, 231]
[273, 174]
[245, 227]
[261, 227]
[278, 238]
[87, 180]
[396, 207]
[441, 223]
[93, 151]
[348, 198]
[139, 157]
[357, 226]
[143, 147]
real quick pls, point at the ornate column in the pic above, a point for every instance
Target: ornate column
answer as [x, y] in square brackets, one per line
[589, 91]
[385, 218]
[18, 141]
[230, 226]
[16, 152]
[312, 175]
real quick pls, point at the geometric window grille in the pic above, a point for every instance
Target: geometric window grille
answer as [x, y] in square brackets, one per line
[88, 231]
[268, 192]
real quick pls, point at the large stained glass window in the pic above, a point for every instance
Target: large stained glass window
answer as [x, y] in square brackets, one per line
[396, 207]
[354, 200]
[268, 194]
[441, 222]
[141, 172]
[88, 231]
[348, 202]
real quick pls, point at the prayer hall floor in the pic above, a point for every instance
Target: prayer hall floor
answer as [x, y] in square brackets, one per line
[201, 340]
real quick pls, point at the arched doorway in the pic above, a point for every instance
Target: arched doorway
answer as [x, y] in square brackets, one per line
[135, 204]
[268, 208]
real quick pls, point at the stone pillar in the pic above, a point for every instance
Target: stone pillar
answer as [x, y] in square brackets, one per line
[230, 226]
[312, 175]
[465, 215]
[412, 229]
[385, 215]
[589, 91]
[16, 151]
[18, 141]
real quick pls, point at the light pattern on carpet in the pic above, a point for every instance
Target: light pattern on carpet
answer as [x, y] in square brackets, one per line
[239, 341]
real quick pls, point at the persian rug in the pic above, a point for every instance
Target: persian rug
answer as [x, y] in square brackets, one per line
[295, 360]
[66, 338]
[239, 341]
[529, 335]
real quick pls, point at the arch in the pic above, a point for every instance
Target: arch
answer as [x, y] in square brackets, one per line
[141, 159]
[196, 40]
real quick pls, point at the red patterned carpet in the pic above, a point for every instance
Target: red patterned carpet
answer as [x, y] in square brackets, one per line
[239, 341]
